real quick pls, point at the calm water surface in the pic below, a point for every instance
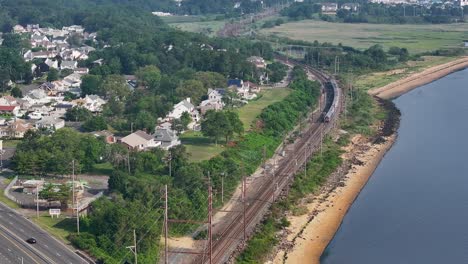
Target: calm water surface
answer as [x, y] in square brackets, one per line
[414, 209]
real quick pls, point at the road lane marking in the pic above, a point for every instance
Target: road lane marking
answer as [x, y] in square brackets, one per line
[36, 251]
[32, 258]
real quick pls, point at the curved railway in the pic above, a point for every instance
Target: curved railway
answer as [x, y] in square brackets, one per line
[231, 236]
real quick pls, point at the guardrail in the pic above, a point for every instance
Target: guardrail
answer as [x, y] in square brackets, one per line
[6, 192]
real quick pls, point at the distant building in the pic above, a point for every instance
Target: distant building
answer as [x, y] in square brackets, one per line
[329, 7]
[463, 2]
[167, 138]
[32, 186]
[51, 123]
[139, 140]
[353, 7]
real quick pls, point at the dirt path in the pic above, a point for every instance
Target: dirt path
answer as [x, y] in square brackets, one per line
[415, 80]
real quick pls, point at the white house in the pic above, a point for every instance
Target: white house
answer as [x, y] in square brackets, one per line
[69, 65]
[51, 63]
[180, 108]
[94, 103]
[329, 7]
[72, 80]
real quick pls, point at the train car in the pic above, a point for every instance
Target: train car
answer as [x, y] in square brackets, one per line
[335, 103]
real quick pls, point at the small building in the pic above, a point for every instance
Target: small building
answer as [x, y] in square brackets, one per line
[69, 65]
[32, 186]
[465, 43]
[353, 7]
[329, 7]
[259, 62]
[51, 123]
[181, 107]
[9, 110]
[18, 128]
[167, 138]
[139, 140]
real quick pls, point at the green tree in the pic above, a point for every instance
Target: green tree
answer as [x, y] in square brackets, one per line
[91, 84]
[52, 75]
[77, 114]
[95, 123]
[192, 89]
[16, 92]
[211, 79]
[215, 125]
[115, 86]
[149, 76]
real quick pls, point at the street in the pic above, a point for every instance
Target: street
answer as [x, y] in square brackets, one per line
[15, 229]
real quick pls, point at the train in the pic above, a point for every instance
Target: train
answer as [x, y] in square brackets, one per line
[327, 115]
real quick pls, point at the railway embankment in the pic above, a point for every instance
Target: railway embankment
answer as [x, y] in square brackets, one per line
[415, 80]
[309, 234]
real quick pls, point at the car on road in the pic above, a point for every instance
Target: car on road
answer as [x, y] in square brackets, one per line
[31, 240]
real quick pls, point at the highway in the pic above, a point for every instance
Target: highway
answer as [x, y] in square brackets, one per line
[15, 229]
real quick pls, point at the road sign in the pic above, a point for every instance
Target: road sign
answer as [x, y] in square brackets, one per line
[54, 212]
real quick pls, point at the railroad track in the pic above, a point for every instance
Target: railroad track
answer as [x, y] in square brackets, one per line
[232, 235]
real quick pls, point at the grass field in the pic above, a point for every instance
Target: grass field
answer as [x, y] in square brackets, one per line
[379, 79]
[206, 27]
[198, 24]
[200, 147]
[416, 38]
[249, 112]
[58, 227]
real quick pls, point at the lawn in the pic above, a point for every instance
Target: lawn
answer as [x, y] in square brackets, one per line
[249, 112]
[380, 79]
[58, 227]
[102, 168]
[416, 38]
[200, 147]
[206, 27]
[11, 143]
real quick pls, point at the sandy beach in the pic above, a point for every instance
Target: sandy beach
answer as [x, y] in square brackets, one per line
[415, 80]
[310, 234]
[305, 240]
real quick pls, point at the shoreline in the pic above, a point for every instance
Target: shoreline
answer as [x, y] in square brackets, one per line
[306, 239]
[415, 80]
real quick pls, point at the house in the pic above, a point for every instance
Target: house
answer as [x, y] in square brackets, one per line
[353, 7]
[210, 105]
[81, 70]
[9, 110]
[465, 43]
[139, 140]
[108, 137]
[235, 83]
[329, 7]
[259, 62]
[253, 88]
[463, 3]
[51, 63]
[50, 122]
[168, 138]
[214, 101]
[18, 128]
[32, 186]
[93, 103]
[18, 29]
[69, 65]
[8, 100]
[180, 108]
[72, 80]
[38, 38]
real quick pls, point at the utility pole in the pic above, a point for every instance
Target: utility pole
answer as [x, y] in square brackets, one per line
[210, 221]
[222, 188]
[134, 247]
[165, 226]
[37, 200]
[243, 206]
[74, 202]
